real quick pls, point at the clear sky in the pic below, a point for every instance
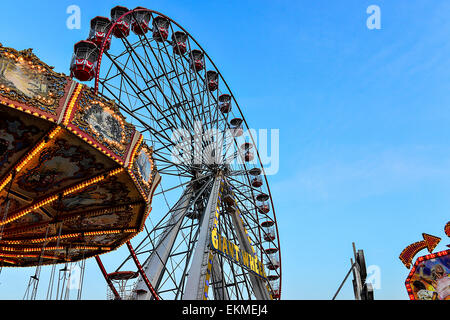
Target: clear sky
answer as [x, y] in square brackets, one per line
[363, 116]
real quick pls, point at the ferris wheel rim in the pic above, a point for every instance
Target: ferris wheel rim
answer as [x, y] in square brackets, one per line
[96, 88]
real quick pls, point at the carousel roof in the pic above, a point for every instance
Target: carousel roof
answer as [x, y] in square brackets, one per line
[76, 180]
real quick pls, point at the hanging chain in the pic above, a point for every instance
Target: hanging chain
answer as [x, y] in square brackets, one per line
[34, 280]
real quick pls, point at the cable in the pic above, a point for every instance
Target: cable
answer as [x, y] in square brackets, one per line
[345, 279]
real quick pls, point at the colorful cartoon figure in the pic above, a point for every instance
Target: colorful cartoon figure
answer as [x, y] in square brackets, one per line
[144, 166]
[58, 165]
[441, 281]
[422, 292]
[20, 77]
[434, 285]
[103, 123]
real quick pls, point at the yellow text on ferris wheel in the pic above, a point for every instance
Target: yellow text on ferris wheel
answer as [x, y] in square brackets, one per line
[231, 250]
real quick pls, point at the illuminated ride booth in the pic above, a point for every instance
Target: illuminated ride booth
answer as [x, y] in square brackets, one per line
[429, 278]
[76, 180]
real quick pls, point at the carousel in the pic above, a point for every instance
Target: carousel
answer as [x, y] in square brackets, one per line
[76, 179]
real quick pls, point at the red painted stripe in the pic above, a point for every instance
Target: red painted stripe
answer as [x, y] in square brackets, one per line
[141, 271]
[108, 281]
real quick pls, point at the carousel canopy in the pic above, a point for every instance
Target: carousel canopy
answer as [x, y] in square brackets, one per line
[76, 180]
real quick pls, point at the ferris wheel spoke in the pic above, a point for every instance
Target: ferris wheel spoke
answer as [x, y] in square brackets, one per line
[167, 226]
[220, 282]
[193, 84]
[150, 234]
[144, 61]
[158, 135]
[202, 177]
[179, 170]
[248, 188]
[140, 93]
[245, 197]
[133, 55]
[154, 265]
[165, 73]
[186, 70]
[178, 75]
[186, 81]
[183, 255]
[248, 217]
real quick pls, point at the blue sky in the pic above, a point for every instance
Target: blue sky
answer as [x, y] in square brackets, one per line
[363, 118]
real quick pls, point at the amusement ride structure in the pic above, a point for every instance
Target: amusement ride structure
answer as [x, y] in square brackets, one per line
[81, 168]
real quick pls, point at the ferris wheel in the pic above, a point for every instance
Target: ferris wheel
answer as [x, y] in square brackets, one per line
[214, 210]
